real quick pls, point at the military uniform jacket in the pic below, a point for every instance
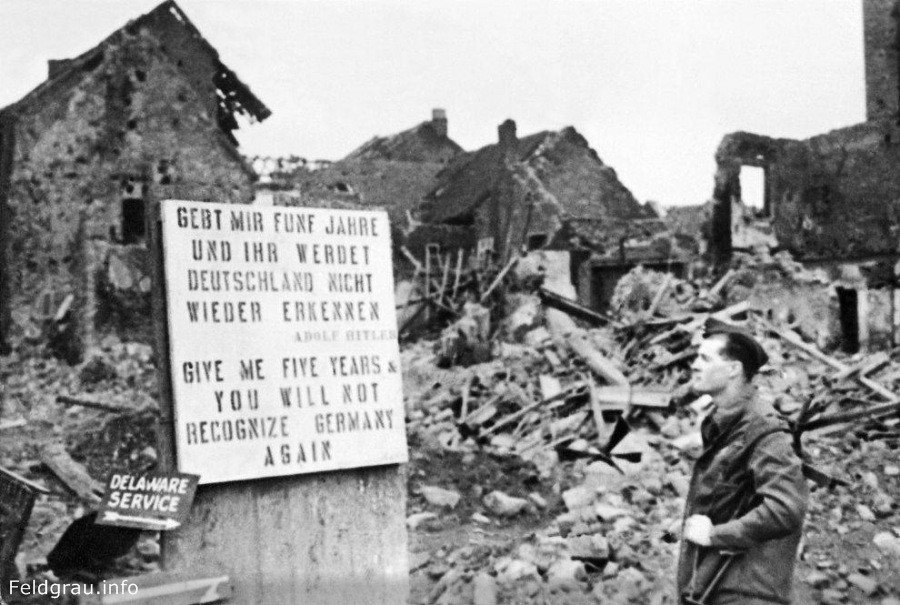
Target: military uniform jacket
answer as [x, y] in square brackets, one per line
[750, 483]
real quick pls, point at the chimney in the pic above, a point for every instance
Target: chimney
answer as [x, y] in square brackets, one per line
[56, 67]
[507, 134]
[439, 122]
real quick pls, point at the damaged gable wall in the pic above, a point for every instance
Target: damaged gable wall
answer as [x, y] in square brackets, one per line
[880, 19]
[126, 124]
[519, 189]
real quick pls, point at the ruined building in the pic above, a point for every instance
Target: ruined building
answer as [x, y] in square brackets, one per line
[832, 200]
[392, 173]
[428, 142]
[546, 190]
[148, 113]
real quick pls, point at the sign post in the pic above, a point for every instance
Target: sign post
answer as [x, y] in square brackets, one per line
[286, 400]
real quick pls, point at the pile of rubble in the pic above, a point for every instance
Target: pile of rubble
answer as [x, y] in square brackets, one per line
[603, 415]
[551, 445]
[62, 427]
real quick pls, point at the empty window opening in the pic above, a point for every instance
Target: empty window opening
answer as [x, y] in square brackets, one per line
[132, 195]
[537, 240]
[753, 188]
[849, 309]
[603, 285]
[132, 221]
[342, 187]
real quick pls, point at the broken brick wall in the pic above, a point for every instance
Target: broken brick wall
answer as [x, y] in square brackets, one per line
[880, 320]
[126, 125]
[881, 49]
[835, 196]
[6, 148]
[116, 295]
[812, 308]
[814, 301]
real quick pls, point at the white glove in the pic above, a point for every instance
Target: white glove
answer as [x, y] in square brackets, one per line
[697, 529]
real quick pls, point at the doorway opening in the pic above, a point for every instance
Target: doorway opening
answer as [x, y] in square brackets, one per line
[848, 299]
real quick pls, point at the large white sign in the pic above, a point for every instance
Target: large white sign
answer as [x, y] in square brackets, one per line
[283, 340]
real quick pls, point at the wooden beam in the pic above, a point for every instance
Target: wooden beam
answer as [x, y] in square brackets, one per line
[570, 307]
[603, 430]
[574, 337]
[714, 291]
[97, 405]
[71, 473]
[796, 340]
[866, 365]
[518, 414]
[499, 278]
[634, 396]
[667, 282]
[459, 260]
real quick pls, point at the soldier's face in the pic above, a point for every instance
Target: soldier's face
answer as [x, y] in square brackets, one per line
[711, 373]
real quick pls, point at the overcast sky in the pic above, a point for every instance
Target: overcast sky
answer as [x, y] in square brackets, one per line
[652, 84]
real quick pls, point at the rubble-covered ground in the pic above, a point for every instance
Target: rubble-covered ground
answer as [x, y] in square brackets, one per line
[513, 496]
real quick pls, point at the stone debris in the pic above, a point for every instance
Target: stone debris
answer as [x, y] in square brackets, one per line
[440, 497]
[591, 435]
[621, 451]
[503, 505]
[484, 589]
[864, 583]
[415, 520]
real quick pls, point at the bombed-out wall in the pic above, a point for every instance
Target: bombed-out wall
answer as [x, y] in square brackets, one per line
[94, 145]
[881, 38]
[832, 197]
[837, 195]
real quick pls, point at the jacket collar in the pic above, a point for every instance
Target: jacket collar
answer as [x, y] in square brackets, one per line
[721, 420]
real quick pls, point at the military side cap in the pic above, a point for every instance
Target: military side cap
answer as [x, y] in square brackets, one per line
[751, 351]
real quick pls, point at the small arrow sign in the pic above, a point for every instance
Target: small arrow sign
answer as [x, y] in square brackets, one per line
[150, 500]
[140, 522]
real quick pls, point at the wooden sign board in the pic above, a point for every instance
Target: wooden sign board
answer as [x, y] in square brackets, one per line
[282, 340]
[151, 501]
[17, 497]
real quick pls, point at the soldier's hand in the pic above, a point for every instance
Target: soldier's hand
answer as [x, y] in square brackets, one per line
[697, 529]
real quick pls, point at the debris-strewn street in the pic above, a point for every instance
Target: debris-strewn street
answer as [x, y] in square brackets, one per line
[533, 478]
[445, 367]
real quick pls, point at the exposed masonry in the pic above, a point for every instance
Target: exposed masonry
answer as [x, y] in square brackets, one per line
[835, 196]
[546, 189]
[146, 114]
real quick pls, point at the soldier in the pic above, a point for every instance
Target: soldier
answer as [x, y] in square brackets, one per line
[748, 496]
